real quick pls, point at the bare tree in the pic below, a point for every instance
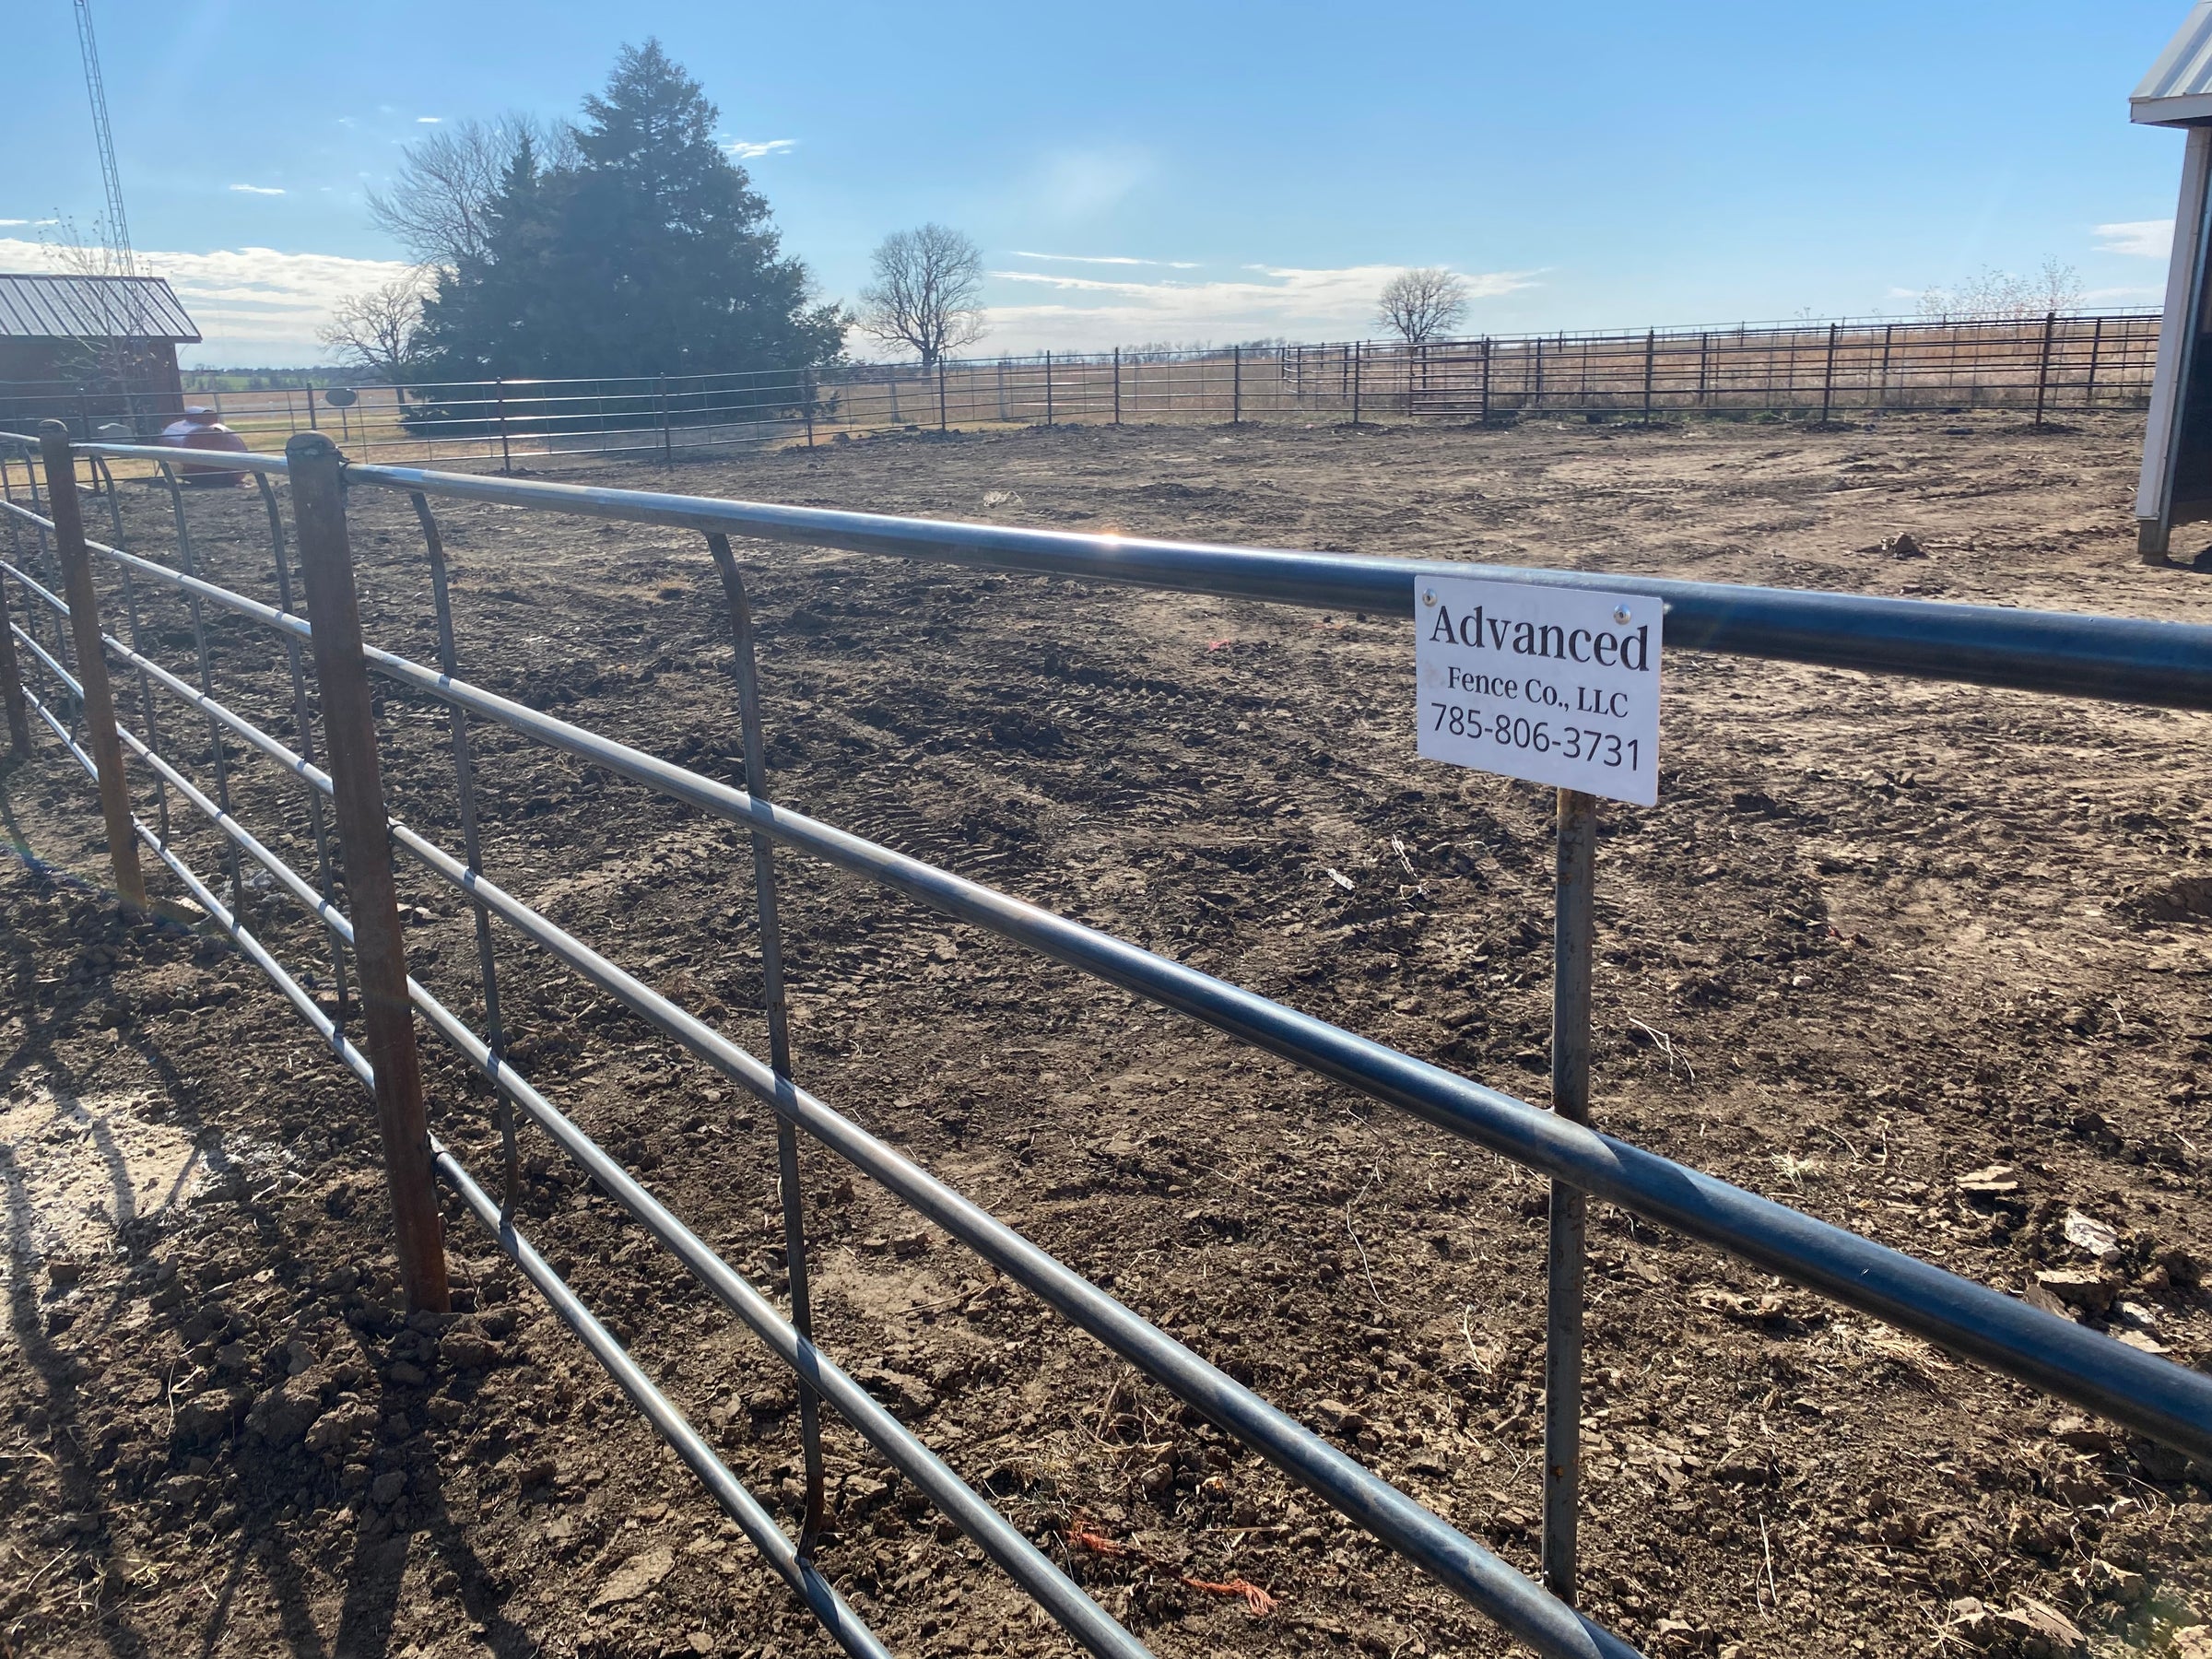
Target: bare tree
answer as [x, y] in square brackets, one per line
[112, 359]
[1994, 295]
[927, 292]
[379, 330]
[445, 180]
[1421, 303]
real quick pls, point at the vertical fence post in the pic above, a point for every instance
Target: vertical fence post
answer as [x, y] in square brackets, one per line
[1486, 380]
[1651, 358]
[465, 790]
[1236, 385]
[1354, 350]
[310, 407]
[808, 388]
[779, 1032]
[364, 833]
[1048, 388]
[2042, 366]
[91, 659]
[2089, 393]
[303, 735]
[667, 436]
[1882, 391]
[941, 394]
[499, 392]
[11, 679]
[1827, 376]
[1570, 953]
[1117, 385]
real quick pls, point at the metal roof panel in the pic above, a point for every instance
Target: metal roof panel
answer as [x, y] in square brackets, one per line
[47, 306]
[2181, 80]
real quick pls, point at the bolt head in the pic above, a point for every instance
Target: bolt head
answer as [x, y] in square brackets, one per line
[1428, 596]
[1620, 613]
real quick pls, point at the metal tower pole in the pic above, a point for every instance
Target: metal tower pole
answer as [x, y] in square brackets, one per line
[118, 228]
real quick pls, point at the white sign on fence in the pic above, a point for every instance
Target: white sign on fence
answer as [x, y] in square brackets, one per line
[1557, 685]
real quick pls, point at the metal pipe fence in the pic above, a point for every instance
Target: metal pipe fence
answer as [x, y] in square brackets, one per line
[2165, 663]
[2047, 365]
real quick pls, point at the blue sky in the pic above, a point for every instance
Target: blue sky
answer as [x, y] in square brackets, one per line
[1141, 171]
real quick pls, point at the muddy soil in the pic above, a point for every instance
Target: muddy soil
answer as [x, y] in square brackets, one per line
[1924, 960]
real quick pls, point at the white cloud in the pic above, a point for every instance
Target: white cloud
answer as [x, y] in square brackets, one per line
[1108, 259]
[257, 189]
[747, 149]
[428, 120]
[1074, 185]
[2146, 239]
[253, 305]
[1092, 313]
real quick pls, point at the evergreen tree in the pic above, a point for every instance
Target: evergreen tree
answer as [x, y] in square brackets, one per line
[651, 254]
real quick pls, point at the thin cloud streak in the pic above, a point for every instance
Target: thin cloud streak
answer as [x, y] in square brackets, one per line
[1277, 300]
[747, 150]
[1108, 259]
[2141, 238]
[257, 189]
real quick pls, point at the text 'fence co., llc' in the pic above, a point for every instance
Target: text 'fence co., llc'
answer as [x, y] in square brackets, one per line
[1559, 686]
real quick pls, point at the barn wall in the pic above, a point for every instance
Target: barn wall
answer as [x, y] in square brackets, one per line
[46, 380]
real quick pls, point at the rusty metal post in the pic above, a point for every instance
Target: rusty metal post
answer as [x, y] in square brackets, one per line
[1570, 953]
[11, 681]
[2042, 366]
[499, 392]
[1827, 376]
[91, 659]
[358, 799]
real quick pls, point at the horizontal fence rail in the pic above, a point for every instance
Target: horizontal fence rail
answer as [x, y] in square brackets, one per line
[2046, 364]
[2164, 664]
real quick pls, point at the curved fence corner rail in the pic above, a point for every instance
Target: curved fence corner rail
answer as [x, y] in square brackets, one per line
[2078, 655]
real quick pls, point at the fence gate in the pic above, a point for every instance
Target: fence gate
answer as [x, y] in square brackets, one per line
[61, 662]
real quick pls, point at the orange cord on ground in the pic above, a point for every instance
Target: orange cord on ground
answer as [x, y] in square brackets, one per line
[1257, 1602]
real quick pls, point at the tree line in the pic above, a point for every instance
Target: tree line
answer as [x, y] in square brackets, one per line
[629, 242]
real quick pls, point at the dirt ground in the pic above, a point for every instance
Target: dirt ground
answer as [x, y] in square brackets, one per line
[1877, 936]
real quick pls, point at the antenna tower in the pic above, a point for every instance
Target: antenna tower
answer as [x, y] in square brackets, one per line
[118, 226]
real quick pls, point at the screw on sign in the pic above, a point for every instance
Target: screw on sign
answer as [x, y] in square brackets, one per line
[1557, 685]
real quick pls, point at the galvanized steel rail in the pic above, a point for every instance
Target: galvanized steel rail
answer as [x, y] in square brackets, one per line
[2168, 664]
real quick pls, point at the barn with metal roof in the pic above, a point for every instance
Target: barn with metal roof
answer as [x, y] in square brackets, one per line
[84, 348]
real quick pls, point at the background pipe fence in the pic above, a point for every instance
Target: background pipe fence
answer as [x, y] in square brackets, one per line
[2044, 366]
[225, 610]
